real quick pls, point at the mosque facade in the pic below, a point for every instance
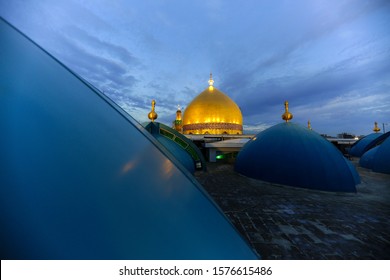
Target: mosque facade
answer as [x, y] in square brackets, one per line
[211, 112]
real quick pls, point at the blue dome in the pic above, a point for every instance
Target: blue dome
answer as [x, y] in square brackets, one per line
[293, 155]
[80, 179]
[378, 158]
[363, 145]
[367, 159]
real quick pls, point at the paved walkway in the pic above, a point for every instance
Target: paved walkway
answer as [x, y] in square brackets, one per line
[291, 223]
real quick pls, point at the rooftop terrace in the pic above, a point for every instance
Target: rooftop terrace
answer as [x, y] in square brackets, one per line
[283, 222]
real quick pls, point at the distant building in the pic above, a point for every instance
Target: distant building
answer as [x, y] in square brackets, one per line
[345, 135]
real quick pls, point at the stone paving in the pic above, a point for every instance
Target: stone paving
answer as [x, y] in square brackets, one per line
[283, 222]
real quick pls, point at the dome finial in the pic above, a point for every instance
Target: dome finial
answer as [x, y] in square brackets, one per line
[308, 124]
[376, 128]
[287, 115]
[152, 114]
[211, 81]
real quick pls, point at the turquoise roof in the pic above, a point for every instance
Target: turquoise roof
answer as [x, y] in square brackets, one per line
[180, 147]
[367, 159]
[80, 179]
[363, 145]
[293, 155]
[180, 154]
[378, 158]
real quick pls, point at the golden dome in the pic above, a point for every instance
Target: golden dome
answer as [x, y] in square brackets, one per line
[212, 112]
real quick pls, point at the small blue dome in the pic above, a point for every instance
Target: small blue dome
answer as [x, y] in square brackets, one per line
[293, 155]
[378, 158]
[367, 159]
[363, 145]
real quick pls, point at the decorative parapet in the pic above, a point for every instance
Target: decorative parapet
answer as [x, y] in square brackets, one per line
[212, 126]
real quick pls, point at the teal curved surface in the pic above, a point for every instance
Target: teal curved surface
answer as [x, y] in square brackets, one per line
[80, 179]
[293, 155]
[377, 141]
[363, 145]
[178, 153]
[382, 158]
[377, 157]
[179, 147]
[367, 159]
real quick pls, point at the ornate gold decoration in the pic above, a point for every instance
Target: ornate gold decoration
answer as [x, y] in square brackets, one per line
[376, 128]
[152, 114]
[213, 127]
[287, 115]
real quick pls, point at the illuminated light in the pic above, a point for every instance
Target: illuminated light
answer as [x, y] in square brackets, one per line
[128, 166]
[167, 168]
[220, 156]
[211, 81]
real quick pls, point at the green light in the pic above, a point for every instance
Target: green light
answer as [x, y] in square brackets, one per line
[220, 156]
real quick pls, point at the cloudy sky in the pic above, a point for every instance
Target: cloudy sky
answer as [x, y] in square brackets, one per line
[329, 58]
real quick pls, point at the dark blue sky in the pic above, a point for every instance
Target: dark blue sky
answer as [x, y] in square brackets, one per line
[330, 59]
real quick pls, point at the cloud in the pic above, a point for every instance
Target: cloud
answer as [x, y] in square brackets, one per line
[255, 128]
[316, 54]
[97, 45]
[311, 28]
[353, 73]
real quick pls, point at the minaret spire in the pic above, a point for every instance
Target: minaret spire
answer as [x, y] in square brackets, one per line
[211, 82]
[178, 123]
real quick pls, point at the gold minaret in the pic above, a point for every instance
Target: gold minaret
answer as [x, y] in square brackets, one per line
[152, 114]
[376, 128]
[287, 115]
[178, 124]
